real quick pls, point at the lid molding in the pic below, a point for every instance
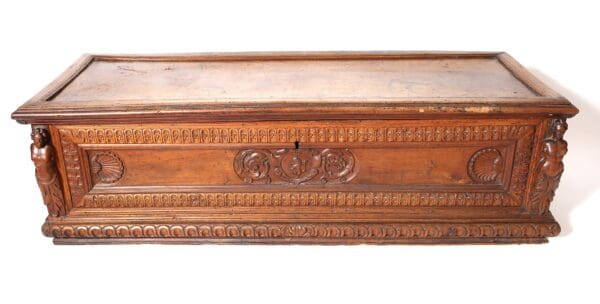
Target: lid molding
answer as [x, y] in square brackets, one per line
[44, 108]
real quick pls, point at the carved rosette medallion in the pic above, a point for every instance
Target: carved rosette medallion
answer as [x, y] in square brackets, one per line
[253, 166]
[106, 167]
[486, 165]
[295, 166]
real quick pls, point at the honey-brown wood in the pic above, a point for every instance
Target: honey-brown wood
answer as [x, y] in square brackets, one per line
[328, 148]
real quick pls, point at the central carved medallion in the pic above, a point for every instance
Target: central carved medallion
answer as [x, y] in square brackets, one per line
[295, 166]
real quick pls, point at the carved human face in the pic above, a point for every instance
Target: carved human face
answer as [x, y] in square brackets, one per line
[38, 138]
[560, 129]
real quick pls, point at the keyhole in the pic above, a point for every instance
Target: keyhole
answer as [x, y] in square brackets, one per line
[297, 145]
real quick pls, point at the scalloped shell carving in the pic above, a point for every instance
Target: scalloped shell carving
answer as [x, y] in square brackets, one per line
[486, 165]
[106, 167]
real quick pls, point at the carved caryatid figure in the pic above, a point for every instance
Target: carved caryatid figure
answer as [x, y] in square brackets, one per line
[554, 149]
[44, 158]
[551, 166]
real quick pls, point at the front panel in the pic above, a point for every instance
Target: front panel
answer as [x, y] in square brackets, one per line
[339, 163]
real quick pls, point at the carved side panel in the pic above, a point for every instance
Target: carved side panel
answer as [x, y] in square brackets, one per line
[550, 166]
[521, 163]
[43, 156]
[73, 167]
[295, 166]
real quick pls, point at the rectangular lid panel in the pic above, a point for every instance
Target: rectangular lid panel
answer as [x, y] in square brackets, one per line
[291, 80]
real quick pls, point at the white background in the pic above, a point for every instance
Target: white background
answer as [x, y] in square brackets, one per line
[557, 42]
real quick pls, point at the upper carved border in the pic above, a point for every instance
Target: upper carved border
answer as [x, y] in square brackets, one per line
[140, 135]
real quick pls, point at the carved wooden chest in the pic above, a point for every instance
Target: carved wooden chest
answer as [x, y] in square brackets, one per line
[328, 148]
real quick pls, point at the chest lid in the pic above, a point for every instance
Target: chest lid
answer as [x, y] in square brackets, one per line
[281, 86]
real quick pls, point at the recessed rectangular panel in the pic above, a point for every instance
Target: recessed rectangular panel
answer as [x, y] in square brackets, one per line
[333, 168]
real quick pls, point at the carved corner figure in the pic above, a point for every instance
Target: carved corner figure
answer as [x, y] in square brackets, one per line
[43, 156]
[550, 167]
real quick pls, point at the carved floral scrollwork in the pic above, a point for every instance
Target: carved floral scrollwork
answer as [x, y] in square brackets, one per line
[43, 156]
[486, 165]
[106, 167]
[253, 166]
[295, 166]
[550, 166]
[338, 164]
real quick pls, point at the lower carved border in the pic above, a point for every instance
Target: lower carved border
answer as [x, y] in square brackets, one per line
[296, 199]
[304, 231]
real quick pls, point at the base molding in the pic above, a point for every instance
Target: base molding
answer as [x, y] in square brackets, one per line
[297, 241]
[202, 232]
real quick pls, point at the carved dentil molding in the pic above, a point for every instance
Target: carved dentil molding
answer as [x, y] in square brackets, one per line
[329, 134]
[297, 199]
[303, 231]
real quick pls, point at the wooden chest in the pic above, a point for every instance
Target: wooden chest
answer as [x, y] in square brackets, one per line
[328, 148]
